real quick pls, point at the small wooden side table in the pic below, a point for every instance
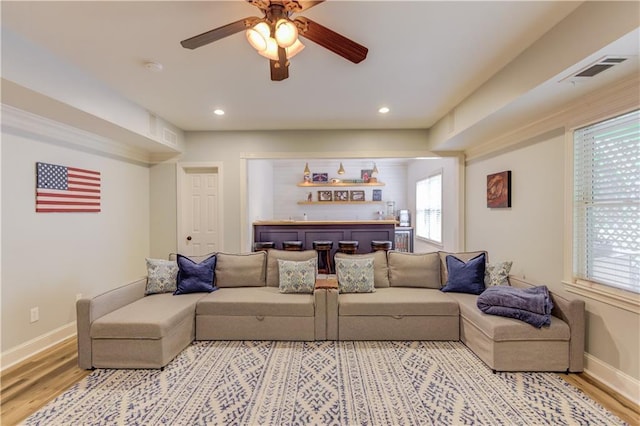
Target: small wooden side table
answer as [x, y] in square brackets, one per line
[326, 282]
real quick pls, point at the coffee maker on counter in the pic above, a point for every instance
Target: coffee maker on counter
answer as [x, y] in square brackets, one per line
[404, 218]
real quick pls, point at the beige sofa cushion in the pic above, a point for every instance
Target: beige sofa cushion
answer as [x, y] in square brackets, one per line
[501, 329]
[464, 256]
[273, 272]
[414, 269]
[380, 266]
[398, 301]
[256, 301]
[151, 317]
[241, 270]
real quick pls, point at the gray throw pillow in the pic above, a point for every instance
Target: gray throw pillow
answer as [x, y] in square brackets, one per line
[297, 277]
[497, 274]
[161, 276]
[273, 275]
[380, 266]
[355, 275]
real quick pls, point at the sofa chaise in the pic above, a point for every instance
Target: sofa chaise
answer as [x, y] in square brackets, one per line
[125, 328]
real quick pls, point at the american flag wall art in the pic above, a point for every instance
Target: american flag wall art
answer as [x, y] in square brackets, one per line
[61, 189]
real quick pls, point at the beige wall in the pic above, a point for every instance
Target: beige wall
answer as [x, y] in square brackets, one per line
[531, 231]
[230, 148]
[531, 234]
[49, 258]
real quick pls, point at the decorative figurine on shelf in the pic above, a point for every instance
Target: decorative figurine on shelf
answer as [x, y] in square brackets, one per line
[307, 174]
[309, 196]
[373, 176]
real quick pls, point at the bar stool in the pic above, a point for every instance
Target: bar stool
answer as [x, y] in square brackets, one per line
[324, 256]
[349, 247]
[292, 245]
[380, 245]
[263, 245]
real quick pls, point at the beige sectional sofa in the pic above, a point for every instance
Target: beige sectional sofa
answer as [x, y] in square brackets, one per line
[123, 328]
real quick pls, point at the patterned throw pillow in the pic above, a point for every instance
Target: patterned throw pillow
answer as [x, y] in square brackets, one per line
[355, 275]
[497, 274]
[297, 277]
[161, 276]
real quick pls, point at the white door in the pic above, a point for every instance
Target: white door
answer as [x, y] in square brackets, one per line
[198, 217]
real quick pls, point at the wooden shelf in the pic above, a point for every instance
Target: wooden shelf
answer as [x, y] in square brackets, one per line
[339, 184]
[340, 202]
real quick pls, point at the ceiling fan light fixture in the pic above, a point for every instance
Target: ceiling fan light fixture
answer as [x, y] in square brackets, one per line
[294, 49]
[286, 33]
[258, 36]
[277, 24]
[271, 51]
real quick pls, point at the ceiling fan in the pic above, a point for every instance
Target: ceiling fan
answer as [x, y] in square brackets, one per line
[275, 36]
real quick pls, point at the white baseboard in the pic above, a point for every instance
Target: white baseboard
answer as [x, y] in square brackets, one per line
[28, 349]
[622, 383]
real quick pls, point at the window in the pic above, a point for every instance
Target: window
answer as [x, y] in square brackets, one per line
[429, 208]
[606, 203]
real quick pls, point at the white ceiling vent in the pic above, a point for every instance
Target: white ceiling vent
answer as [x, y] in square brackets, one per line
[595, 68]
[169, 137]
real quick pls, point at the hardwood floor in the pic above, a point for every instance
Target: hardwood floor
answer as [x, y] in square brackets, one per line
[28, 386]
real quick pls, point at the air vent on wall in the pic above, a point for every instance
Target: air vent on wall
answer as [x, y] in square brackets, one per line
[169, 137]
[595, 68]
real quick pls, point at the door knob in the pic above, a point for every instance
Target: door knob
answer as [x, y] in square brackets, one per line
[189, 238]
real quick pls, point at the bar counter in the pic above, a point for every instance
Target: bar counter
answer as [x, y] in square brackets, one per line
[324, 222]
[308, 231]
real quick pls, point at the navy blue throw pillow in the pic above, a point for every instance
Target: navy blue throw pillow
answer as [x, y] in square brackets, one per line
[465, 277]
[195, 277]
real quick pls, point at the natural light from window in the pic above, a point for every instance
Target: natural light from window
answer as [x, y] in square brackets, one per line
[606, 237]
[429, 208]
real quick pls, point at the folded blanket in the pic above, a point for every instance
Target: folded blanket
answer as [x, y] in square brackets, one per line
[532, 305]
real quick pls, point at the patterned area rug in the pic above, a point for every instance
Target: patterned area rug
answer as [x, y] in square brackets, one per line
[322, 383]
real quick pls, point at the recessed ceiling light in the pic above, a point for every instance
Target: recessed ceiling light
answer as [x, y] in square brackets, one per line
[383, 110]
[218, 111]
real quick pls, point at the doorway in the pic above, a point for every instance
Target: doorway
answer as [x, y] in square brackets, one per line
[199, 214]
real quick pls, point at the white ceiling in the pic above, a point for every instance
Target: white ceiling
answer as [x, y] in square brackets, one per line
[424, 58]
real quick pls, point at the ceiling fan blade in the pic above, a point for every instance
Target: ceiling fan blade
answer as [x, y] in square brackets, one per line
[306, 5]
[331, 40]
[218, 33]
[279, 68]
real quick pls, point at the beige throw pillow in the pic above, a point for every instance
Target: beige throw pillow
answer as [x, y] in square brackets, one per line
[241, 270]
[414, 269]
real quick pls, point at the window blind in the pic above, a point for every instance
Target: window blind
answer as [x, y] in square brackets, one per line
[429, 208]
[606, 237]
